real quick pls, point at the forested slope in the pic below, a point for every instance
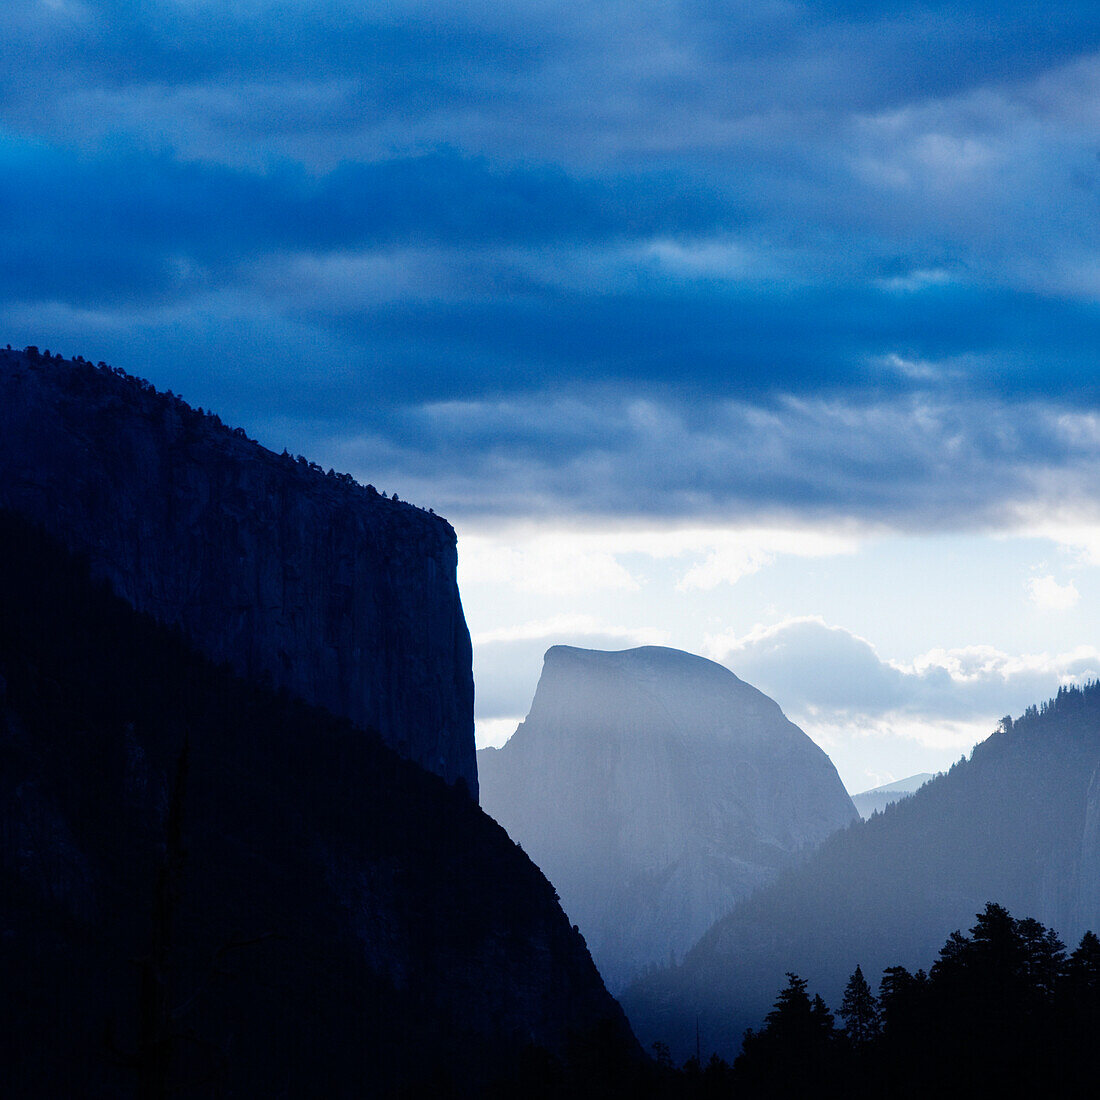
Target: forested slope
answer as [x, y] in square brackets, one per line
[1018, 823]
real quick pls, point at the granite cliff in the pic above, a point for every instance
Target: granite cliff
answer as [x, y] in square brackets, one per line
[317, 585]
[655, 789]
[209, 888]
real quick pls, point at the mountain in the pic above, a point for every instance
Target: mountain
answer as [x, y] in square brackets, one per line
[343, 597]
[212, 889]
[1017, 824]
[238, 852]
[878, 798]
[654, 788]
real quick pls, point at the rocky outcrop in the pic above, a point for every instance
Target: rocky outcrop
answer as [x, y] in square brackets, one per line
[310, 582]
[655, 789]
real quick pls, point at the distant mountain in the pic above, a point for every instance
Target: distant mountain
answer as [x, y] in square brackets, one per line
[655, 789]
[343, 597]
[1018, 824]
[878, 798]
[208, 889]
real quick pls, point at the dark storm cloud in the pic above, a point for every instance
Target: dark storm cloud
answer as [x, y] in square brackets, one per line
[951, 465]
[701, 257]
[622, 67]
[125, 215]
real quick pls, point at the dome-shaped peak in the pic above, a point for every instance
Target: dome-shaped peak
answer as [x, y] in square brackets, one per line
[690, 691]
[655, 658]
[647, 664]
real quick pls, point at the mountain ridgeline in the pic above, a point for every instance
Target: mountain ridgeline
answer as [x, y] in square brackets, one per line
[878, 798]
[1017, 823]
[655, 789]
[311, 582]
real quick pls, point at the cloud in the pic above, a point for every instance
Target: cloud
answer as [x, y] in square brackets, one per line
[552, 565]
[1048, 594]
[597, 572]
[594, 82]
[568, 625]
[1075, 526]
[920, 464]
[868, 752]
[829, 677]
[736, 554]
[623, 289]
[775, 260]
[808, 666]
[494, 732]
[874, 716]
[868, 713]
[566, 559]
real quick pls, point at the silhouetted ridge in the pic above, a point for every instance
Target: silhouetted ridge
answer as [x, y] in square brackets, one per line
[878, 798]
[130, 388]
[1019, 821]
[333, 920]
[345, 598]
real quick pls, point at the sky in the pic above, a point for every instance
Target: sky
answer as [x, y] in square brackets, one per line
[763, 330]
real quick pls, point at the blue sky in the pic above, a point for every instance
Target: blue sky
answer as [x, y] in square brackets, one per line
[763, 329]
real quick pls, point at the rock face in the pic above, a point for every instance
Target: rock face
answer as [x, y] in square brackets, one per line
[1017, 824]
[321, 587]
[655, 789]
[207, 888]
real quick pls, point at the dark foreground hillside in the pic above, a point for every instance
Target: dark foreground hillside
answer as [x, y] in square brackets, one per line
[1018, 822]
[210, 890]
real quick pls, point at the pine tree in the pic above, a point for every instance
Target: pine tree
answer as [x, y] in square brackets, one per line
[822, 1022]
[860, 1011]
[902, 1002]
[1044, 957]
[792, 1015]
[1083, 967]
[1079, 989]
[796, 1048]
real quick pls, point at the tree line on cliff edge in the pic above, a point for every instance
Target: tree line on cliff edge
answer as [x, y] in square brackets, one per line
[166, 399]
